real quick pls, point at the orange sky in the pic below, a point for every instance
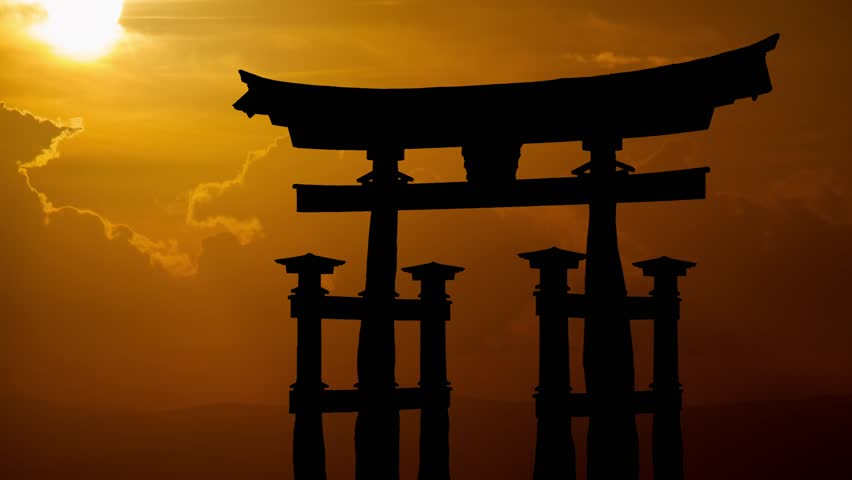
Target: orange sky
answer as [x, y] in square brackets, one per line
[152, 284]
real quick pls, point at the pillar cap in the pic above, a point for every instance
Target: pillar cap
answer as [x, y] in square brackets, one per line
[433, 270]
[663, 266]
[309, 263]
[553, 257]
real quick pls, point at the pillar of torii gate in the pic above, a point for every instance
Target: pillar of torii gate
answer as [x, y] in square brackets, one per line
[491, 123]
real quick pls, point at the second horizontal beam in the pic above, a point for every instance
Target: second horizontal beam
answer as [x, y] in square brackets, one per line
[357, 308]
[348, 401]
[686, 184]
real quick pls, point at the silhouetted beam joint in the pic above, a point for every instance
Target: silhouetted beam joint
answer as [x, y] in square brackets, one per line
[646, 187]
[646, 401]
[351, 401]
[355, 308]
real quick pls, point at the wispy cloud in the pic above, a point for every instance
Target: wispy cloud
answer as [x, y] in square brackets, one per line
[822, 191]
[245, 230]
[164, 254]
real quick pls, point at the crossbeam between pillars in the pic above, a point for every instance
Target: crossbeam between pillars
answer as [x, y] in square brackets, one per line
[356, 308]
[689, 184]
[351, 401]
[572, 305]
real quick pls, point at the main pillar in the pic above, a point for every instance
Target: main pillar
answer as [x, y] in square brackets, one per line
[608, 346]
[555, 456]
[667, 439]
[377, 425]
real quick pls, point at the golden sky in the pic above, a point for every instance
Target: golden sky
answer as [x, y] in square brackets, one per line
[142, 212]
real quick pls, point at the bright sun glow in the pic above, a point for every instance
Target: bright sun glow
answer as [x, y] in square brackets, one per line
[80, 29]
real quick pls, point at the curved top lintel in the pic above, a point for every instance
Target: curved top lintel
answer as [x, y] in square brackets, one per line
[662, 100]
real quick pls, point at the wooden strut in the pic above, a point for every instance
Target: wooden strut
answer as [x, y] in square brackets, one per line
[308, 440]
[309, 397]
[555, 457]
[556, 405]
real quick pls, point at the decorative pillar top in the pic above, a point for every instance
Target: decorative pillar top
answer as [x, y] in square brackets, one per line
[433, 271]
[310, 263]
[665, 271]
[553, 263]
[434, 277]
[310, 268]
[553, 257]
[664, 266]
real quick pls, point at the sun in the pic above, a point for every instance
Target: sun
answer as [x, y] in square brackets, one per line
[80, 29]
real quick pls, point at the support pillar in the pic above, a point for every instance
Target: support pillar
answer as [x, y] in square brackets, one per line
[308, 441]
[434, 386]
[613, 444]
[667, 438]
[377, 425]
[555, 456]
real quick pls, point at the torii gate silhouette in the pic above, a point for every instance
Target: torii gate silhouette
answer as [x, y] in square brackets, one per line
[491, 123]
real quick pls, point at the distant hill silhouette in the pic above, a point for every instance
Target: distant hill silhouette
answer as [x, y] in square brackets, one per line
[768, 440]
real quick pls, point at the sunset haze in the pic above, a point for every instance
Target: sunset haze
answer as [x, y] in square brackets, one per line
[142, 215]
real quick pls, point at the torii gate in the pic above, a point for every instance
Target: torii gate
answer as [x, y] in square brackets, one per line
[490, 123]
